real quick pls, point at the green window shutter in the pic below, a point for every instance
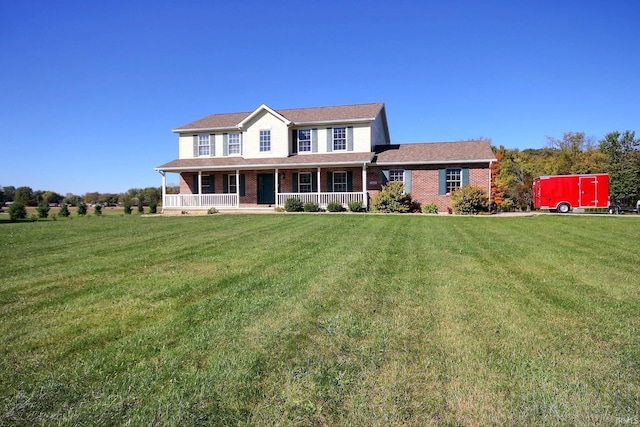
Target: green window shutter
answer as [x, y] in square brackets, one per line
[349, 181]
[314, 140]
[329, 182]
[294, 141]
[195, 145]
[225, 144]
[407, 181]
[195, 184]
[465, 176]
[329, 140]
[350, 138]
[294, 183]
[242, 192]
[385, 176]
[212, 145]
[225, 183]
[213, 182]
[442, 181]
[314, 182]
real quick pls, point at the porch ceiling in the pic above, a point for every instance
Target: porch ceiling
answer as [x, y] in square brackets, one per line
[296, 160]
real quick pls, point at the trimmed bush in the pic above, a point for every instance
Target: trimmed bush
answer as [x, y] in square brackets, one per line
[392, 198]
[97, 210]
[355, 206]
[311, 207]
[153, 207]
[431, 208]
[43, 211]
[335, 207]
[64, 211]
[17, 211]
[82, 209]
[469, 200]
[293, 204]
[127, 208]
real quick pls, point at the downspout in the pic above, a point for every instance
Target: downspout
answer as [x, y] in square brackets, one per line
[364, 187]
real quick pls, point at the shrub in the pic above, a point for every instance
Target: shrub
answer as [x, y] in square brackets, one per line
[97, 210]
[54, 217]
[469, 200]
[64, 211]
[293, 204]
[355, 206]
[33, 217]
[43, 211]
[17, 211]
[127, 208]
[335, 207]
[82, 209]
[392, 199]
[431, 208]
[153, 207]
[140, 207]
[311, 207]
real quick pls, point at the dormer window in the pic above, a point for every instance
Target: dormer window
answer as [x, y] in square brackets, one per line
[265, 140]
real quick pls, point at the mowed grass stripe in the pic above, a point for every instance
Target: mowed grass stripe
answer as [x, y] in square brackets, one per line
[320, 320]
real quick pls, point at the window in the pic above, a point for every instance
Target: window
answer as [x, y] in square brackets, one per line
[339, 181]
[232, 185]
[396, 175]
[454, 179]
[339, 139]
[304, 182]
[304, 140]
[203, 145]
[234, 143]
[265, 140]
[207, 184]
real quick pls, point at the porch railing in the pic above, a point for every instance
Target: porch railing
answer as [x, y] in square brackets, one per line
[201, 200]
[323, 199]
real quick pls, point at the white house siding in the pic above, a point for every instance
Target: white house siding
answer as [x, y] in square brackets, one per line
[279, 137]
[378, 134]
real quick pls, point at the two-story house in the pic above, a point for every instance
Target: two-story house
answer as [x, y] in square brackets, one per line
[323, 154]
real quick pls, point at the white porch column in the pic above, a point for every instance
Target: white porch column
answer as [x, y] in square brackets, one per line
[277, 185]
[364, 186]
[164, 189]
[237, 188]
[199, 188]
[319, 186]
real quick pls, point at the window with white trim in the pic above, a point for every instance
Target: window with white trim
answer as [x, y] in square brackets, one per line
[304, 140]
[339, 182]
[232, 185]
[207, 186]
[265, 140]
[203, 145]
[304, 182]
[339, 139]
[396, 175]
[234, 143]
[454, 179]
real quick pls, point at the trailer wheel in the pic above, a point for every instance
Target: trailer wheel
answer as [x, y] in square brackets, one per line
[564, 207]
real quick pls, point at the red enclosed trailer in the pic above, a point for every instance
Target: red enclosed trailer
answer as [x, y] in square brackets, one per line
[566, 192]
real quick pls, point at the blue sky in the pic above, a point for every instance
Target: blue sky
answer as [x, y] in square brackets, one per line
[89, 91]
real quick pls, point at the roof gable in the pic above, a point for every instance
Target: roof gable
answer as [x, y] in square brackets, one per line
[260, 109]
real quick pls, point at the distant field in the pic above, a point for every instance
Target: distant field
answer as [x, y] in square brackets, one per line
[300, 320]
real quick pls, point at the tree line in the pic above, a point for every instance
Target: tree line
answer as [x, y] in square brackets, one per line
[134, 196]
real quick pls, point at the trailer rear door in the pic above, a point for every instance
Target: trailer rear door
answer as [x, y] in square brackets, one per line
[588, 192]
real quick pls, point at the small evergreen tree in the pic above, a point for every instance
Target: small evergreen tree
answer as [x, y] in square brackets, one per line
[82, 209]
[43, 211]
[97, 210]
[140, 207]
[64, 211]
[17, 211]
[127, 208]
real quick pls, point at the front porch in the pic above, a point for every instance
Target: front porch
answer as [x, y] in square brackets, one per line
[231, 201]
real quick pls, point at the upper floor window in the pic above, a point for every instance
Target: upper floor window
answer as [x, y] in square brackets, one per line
[304, 140]
[203, 145]
[234, 143]
[304, 182]
[265, 140]
[396, 175]
[339, 181]
[453, 180]
[339, 139]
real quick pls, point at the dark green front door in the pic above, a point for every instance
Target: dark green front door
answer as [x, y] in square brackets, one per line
[266, 189]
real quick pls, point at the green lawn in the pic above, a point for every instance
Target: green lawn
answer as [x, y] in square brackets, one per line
[364, 320]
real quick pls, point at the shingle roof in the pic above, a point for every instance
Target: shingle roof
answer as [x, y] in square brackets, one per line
[434, 152]
[342, 113]
[305, 160]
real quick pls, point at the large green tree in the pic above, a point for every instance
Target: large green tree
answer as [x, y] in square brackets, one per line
[24, 195]
[623, 165]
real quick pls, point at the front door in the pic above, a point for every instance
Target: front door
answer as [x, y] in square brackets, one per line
[266, 189]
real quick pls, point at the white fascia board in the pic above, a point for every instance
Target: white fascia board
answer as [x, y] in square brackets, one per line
[329, 122]
[195, 130]
[433, 162]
